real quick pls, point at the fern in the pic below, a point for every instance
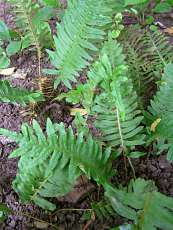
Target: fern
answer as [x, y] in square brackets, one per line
[49, 166]
[86, 93]
[161, 108]
[149, 209]
[9, 94]
[146, 53]
[81, 30]
[32, 28]
[118, 117]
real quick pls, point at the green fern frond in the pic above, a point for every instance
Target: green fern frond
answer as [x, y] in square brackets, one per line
[9, 94]
[118, 117]
[161, 108]
[116, 108]
[146, 54]
[117, 131]
[34, 30]
[143, 204]
[78, 36]
[49, 165]
[24, 13]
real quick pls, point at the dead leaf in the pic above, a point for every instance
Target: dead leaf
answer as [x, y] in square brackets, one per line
[155, 124]
[73, 111]
[81, 189]
[7, 72]
[169, 31]
[41, 225]
[19, 74]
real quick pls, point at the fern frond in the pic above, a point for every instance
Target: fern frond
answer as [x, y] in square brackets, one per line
[78, 35]
[24, 13]
[35, 31]
[118, 117]
[146, 54]
[49, 165]
[116, 131]
[161, 108]
[148, 208]
[116, 108]
[9, 94]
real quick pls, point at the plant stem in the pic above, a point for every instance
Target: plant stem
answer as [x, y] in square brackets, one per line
[131, 165]
[72, 209]
[37, 219]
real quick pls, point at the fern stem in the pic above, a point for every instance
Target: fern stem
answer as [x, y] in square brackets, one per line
[73, 209]
[119, 129]
[122, 145]
[121, 138]
[39, 61]
[131, 165]
[37, 219]
[34, 36]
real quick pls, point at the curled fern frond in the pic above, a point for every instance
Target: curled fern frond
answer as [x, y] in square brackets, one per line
[9, 94]
[49, 165]
[78, 35]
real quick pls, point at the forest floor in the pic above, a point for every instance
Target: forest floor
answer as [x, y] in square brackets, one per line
[70, 212]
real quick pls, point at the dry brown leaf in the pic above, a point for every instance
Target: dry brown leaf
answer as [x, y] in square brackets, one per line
[169, 31]
[155, 124]
[7, 72]
[81, 189]
[41, 225]
[73, 111]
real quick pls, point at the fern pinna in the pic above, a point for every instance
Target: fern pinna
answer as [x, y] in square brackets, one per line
[78, 35]
[161, 110]
[49, 165]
